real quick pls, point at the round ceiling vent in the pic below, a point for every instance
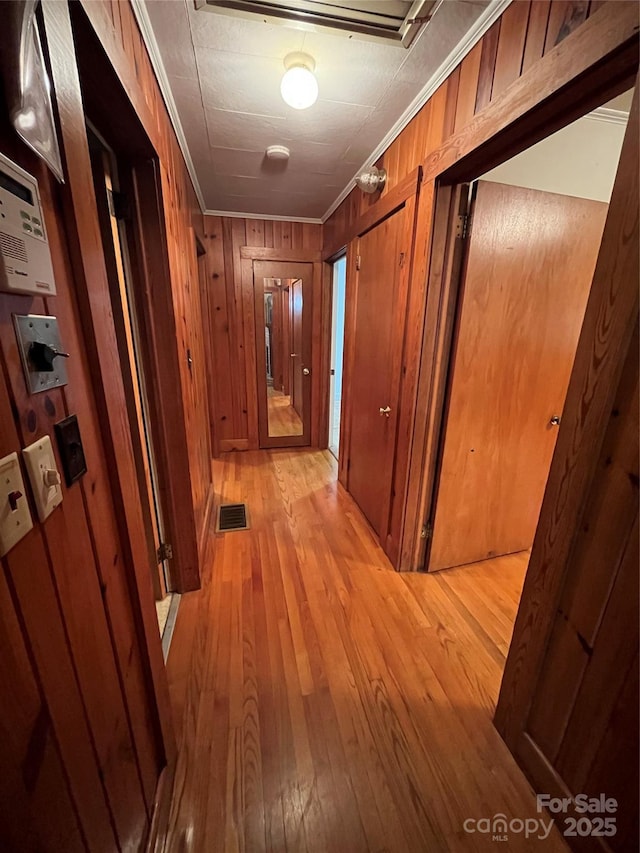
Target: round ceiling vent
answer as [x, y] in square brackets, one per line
[278, 152]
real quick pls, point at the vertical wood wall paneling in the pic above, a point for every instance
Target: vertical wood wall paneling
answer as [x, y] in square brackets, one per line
[129, 58]
[565, 16]
[536, 33]
[519, 45]
[232, 329]
[36, 798]
[487, 65]
[129, 599]
[509, 55]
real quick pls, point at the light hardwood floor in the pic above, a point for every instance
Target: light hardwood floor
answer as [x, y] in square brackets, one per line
[283, 418]
[323, 701]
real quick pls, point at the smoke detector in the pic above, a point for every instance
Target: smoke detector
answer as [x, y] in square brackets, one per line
[277, 152]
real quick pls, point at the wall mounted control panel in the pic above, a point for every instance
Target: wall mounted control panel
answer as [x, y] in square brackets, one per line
[23, 239]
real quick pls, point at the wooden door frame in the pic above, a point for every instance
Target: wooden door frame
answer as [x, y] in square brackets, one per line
[607, 332]
[592, 65]
[321, 309]
[92, 289]
[141, 179]
[261, 269]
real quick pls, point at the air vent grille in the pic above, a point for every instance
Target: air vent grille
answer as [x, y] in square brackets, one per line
[393, 20]
[13, 247]
[232, 517]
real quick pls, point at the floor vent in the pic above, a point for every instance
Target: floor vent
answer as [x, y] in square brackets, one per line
[232, 517]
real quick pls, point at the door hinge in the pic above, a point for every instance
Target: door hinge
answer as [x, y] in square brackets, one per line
[402, 259]
[164, 552]
[427, 531]
[462, 225]
[358, 261]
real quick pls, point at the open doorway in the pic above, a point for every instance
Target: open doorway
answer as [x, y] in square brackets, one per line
[337, 351]
[527, 252]
[112, 212]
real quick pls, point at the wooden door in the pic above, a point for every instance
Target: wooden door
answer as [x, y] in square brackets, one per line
[284, 415]
[374, 379]
[297, 346]
[529, 265]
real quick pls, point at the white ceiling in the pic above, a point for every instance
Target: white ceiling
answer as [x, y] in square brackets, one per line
[224, 76]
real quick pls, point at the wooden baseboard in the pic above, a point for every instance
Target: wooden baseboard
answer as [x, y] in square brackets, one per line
[227, 444]
[206, 523]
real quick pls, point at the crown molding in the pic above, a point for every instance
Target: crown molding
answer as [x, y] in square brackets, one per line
[148, 36]
[470, 39]
[610, 116]
[234, 214]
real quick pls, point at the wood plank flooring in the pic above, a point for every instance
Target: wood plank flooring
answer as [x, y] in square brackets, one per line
[323, 701]
[283, 418]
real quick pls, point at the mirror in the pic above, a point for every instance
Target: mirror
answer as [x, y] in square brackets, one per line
[283, 304]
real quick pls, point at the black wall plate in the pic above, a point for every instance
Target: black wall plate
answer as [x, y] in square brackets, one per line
[71, 450]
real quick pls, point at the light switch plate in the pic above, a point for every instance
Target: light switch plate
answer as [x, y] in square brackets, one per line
[44, 476]
[14, 524]
[36, 328]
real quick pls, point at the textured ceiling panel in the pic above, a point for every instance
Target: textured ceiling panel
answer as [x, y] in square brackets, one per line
[225, 75]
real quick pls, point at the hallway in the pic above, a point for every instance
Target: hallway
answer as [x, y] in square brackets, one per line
[324, 702]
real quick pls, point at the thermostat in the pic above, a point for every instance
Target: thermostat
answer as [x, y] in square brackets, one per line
[23, 239]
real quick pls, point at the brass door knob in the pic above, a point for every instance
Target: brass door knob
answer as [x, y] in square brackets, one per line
[555, 420]
[306, 371]
[386, 411]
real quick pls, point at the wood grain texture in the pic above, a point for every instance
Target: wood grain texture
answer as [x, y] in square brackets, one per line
[610, 320]
[326, 702]
[231, 245]
[529, 263]
[542, 97]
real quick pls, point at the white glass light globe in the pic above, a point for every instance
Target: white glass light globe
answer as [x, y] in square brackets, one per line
[299, 88]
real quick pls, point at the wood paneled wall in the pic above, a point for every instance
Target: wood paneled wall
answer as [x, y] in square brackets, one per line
[85, 725]
[232, 329]
[80, 752]
[116, 27]
[526, 31]
[493, 86]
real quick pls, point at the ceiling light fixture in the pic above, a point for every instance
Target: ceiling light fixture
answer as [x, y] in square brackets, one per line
[371, 181]
[299, 87]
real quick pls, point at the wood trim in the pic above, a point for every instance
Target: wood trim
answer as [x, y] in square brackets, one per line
[206, 522]
[323, 368]
[169, 428]
[229, 444]
[251, 356]
[610, 319]
[607, 53]
[441, 293]
[258, 253]
[93, 294]
[161, 807]
[384, 207]
[547, 96]
[351, 299]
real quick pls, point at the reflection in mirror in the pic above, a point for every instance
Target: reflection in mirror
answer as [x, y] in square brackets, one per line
[283, 351]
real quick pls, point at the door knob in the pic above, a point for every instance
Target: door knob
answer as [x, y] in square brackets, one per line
[293, 355]
[306, 371]
[555, 420]
[386, 411]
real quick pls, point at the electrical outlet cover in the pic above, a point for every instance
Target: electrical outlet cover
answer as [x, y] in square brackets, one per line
[14, 523]
[44, 476]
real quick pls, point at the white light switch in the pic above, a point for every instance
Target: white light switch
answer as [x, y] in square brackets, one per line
[15, 518]
[44, 476]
